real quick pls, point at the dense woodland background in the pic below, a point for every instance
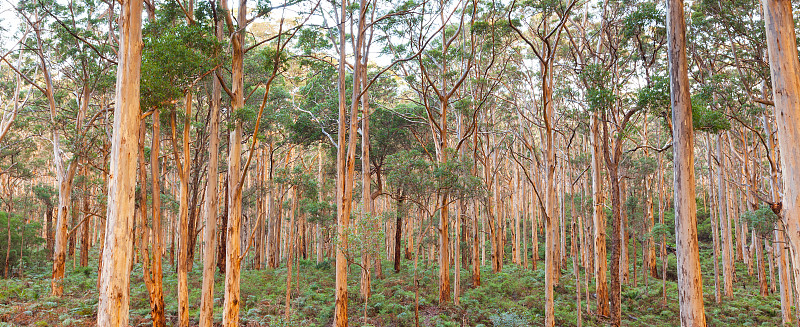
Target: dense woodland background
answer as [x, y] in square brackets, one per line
[384, 163]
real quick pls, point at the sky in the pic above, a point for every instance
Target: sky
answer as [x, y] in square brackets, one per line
[8, 23]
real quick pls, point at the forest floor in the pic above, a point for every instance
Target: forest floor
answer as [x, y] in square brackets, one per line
[514, 297]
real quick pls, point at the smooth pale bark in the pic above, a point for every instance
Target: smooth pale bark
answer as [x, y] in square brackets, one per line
[649, 255]
[550, 222]
[64, 178]
[368, 210]
[183, 218]
[344, 180]
[492, 203]
[599, 219]
[457, 254]
[231, 304]
[444, 212]
[320, 182]
[690, 285]
[535, 236]
[615, 301]
[84, 260]
[515, 198]
[113, 308]
[398, 234]
[714, 225]
[156, 275]
[785, 74]
[230, 313]
[724, 218]
[624, 268]
[211, 204]
[661, 208]
[759, 254]
[576, 272]
[272, 220]
[526, 213]
[476, 238]
[64, 181]
[290, 255]
[779, 237]
[476, 242]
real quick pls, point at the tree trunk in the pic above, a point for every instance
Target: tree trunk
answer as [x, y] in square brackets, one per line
[157, 305]
[50, 243]
[762, 278]
[690, 286]
[599, 219]
[785, 74]
[230, 315]
[211, 203]
[223, 232]
[779, 238]
[623, 231]
[714, 225]
[74, 222]
[724, 218]
[368, 210]
[398, 234]
[113, 308]
[616, 246]
[551, 224]
[85, 232]
[289, 255]
[183, 219]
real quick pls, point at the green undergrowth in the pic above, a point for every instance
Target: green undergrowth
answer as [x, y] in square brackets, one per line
[513, 297]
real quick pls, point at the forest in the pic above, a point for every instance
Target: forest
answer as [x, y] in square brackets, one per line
[399, 163]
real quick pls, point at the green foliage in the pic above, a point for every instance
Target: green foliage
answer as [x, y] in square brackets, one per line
[654, 98]
[599, 89]
[411, 174]
[25, 240]
[45, 193]
[308, 190]
[389, 132]
[646, 16]
[663, 230]
[762, 221]
[312, 40]
[706, 118]
[174, 55]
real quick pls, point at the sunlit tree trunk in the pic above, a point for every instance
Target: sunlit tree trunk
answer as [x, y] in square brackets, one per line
[157, 305]
[230, 309]
[599, 219]
[690, 286]
[368, 210]
[64, 178]
[714, 223]
[290, 254]
[727, 243]
[112, 309]
[344, 182]
[551, 225]
[785, 74]
[183, 216]
[211, 203]
[779, 245]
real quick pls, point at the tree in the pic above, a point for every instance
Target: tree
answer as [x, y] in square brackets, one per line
[545, 51]
[785, 75]
[690, 286]
[117, 251]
